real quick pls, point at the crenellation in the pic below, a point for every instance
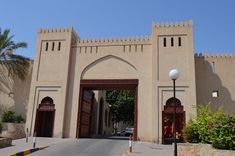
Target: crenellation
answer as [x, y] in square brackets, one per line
[57, 30]
[172, 24]
[121, 40]
[215, 55]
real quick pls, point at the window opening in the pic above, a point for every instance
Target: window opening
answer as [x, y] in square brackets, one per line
[164, 42]
[213, 67]
[179, 41]
[53, 46]
[46, 46]
[59, 46]
[215, 94]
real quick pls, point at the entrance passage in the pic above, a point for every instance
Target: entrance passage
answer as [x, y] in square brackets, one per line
[86, 98]
[168, 122]
[44, 123]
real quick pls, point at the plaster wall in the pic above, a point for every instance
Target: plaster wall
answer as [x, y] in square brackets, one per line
[220, 79]
[14, 93]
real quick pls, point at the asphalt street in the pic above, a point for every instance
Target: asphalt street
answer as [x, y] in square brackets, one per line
[112, 146]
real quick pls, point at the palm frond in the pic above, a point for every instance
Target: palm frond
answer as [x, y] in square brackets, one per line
[16, 65]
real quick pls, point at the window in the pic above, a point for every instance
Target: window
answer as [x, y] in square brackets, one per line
[179, 41]
[142, 47]
[172, 41]
[215, 94]
[164, 42]
[213, 67]
[53, 46]
[59, 46]
[129, 48]
[46, 46]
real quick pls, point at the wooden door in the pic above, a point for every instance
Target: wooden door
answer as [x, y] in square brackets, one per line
[86, 114]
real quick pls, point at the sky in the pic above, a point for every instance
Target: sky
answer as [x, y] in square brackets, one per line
[214, 20]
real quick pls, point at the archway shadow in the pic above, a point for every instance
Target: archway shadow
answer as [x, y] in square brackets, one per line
[208, 81]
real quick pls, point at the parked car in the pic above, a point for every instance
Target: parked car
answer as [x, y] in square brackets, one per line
[126, 132]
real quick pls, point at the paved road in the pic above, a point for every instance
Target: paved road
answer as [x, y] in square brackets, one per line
[113, 146]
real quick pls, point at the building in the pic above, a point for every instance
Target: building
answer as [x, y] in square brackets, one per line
[66, 67]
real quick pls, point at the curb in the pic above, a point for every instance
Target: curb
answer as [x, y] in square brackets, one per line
[28, 151]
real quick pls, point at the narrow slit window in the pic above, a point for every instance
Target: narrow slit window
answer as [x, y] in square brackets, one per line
[179, 41]
[164, 42]
[142, 47]
[46, 46]
[53, 46]
[135, 48]
[172, 41]
[213, 67]
[129, 48]
[59, 46]
[124, 48]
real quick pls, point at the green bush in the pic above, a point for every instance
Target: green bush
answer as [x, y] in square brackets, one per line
[19, 119]
[203, 123]
[223, 132]
[216, 128]
[10, 116]
[190, 133]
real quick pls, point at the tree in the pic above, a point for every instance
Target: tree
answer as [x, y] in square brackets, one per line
[16, 65]
[122, 105]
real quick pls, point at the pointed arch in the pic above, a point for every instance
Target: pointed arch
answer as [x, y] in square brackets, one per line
[169, 102]
[107, 57]
[47, 100]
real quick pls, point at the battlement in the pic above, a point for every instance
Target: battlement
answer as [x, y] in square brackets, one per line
[55, 30]
[58, 30]
[215, 55]
[171, 24]
[123, 40]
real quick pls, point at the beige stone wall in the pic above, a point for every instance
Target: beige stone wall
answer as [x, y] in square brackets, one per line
[50, 75]
[14, 93]
[221, 80]
[107, 129]
[188, 149]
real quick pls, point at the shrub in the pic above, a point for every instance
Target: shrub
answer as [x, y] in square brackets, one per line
[216, 128]
[10, 116]
[19, 119]
[223, 132]
[204, 122]
[190, 133]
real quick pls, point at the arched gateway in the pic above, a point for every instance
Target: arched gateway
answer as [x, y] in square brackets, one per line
[67, 66]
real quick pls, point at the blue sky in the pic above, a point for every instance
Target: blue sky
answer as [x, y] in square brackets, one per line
[214, 20]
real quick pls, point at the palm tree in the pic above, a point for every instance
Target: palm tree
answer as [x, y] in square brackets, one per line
[16, 65]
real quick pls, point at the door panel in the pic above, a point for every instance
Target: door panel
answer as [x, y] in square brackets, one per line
[86, 114]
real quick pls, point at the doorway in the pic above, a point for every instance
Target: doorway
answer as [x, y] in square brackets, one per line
[130, 84]
[168, 123]
[44, 123]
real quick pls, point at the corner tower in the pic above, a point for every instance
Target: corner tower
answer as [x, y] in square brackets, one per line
[172, 48]
[50, 80]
